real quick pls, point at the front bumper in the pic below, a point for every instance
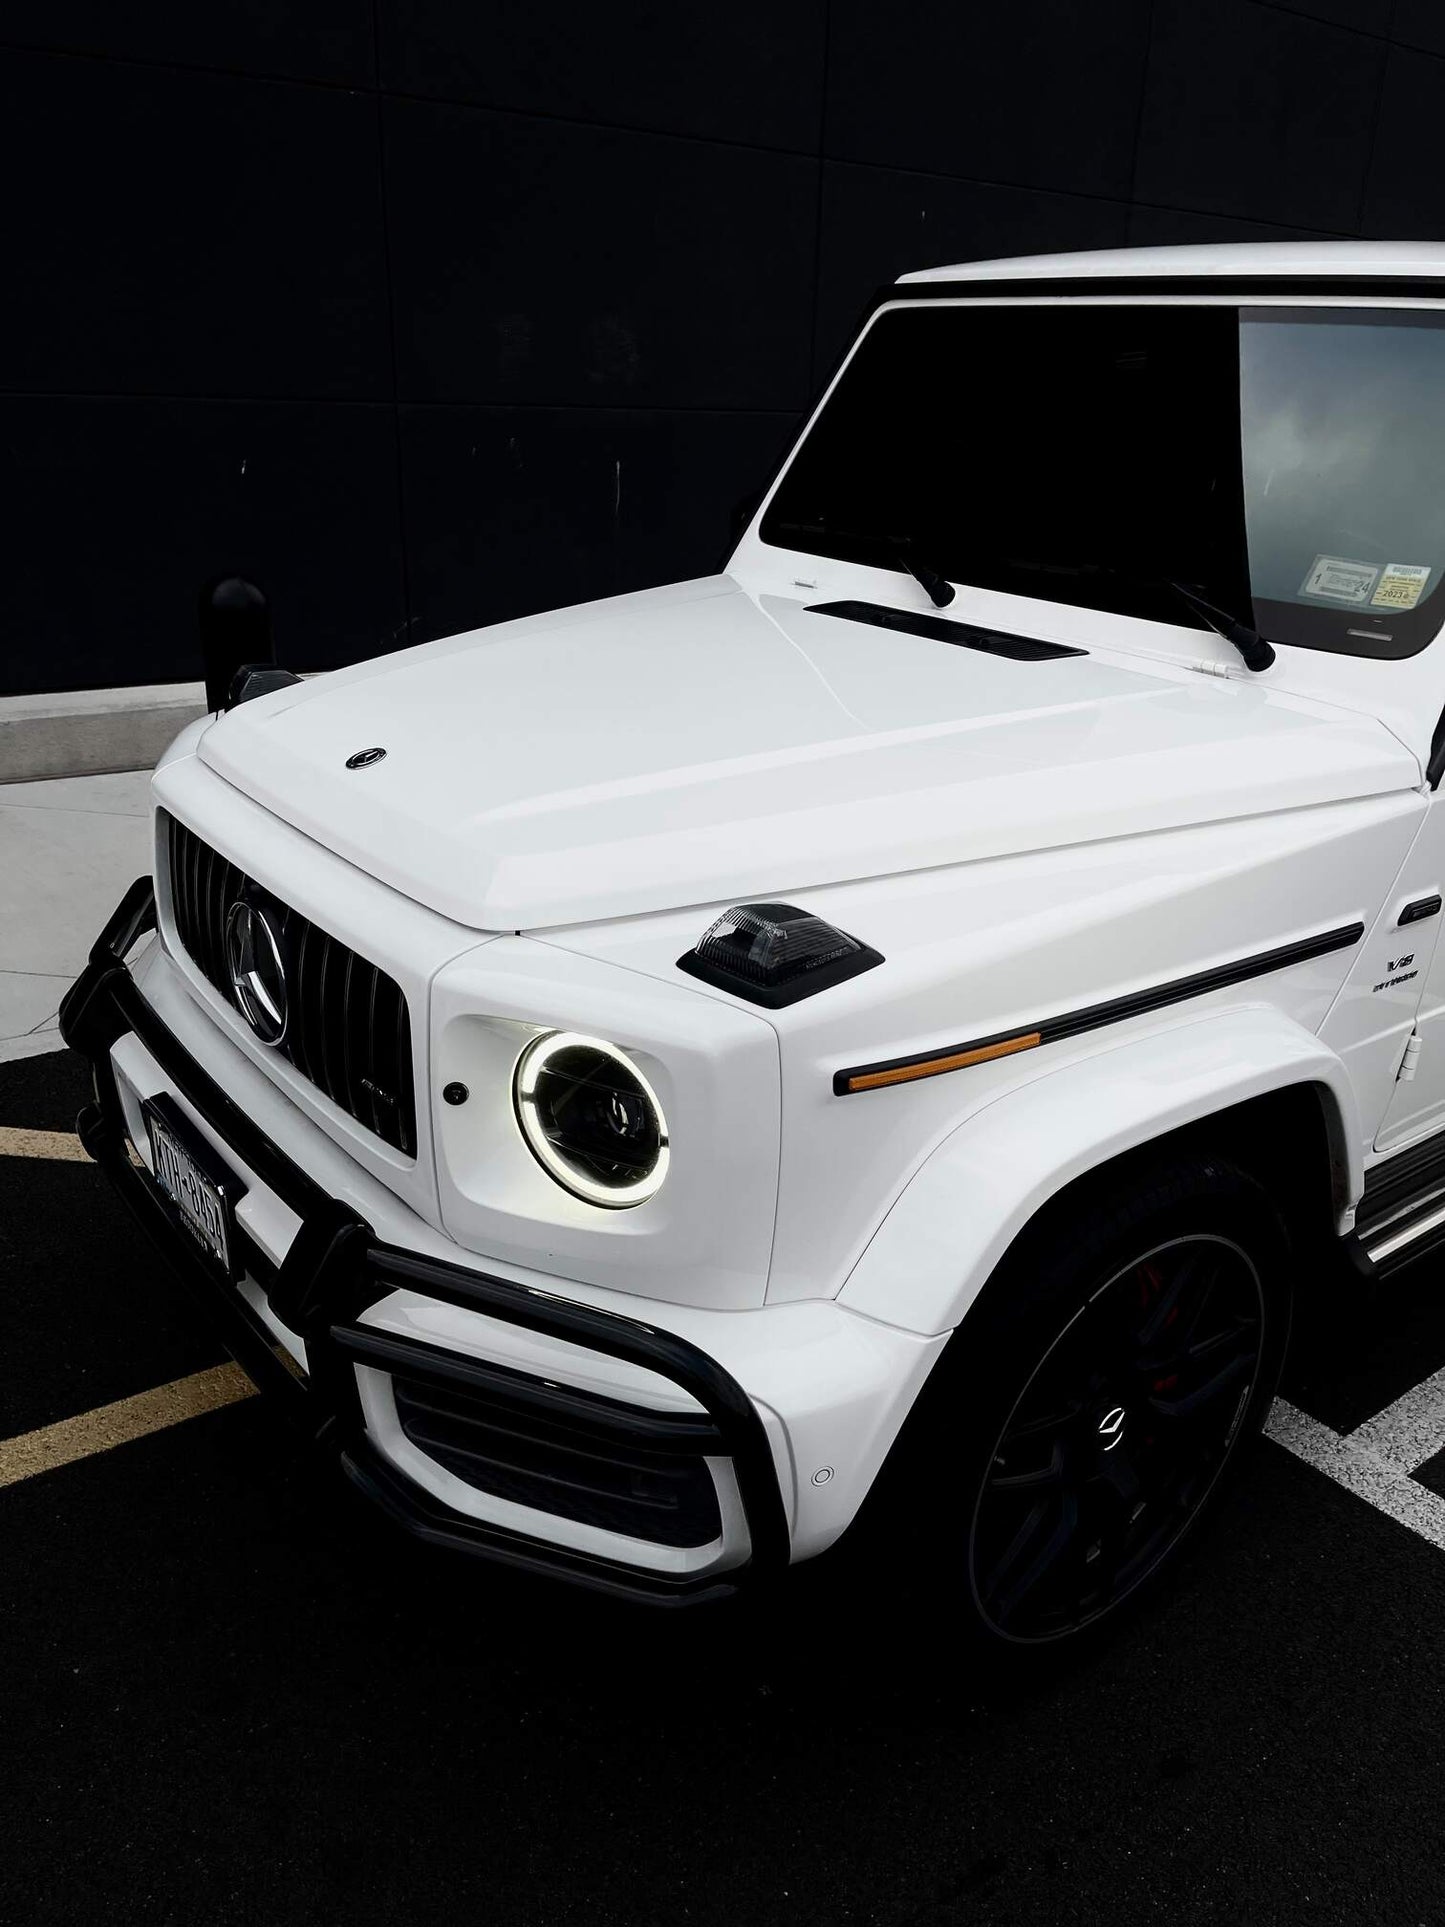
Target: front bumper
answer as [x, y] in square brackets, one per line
[335, 1269]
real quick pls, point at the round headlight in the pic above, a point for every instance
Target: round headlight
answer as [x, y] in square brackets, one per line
[591, 1119]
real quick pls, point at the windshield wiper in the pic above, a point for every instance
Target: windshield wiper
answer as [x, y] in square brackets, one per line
[936, 587]
[1257, 653]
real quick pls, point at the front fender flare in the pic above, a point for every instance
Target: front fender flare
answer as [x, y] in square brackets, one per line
[964, 1207]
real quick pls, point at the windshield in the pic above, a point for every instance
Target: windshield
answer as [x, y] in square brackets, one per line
[1289, 464]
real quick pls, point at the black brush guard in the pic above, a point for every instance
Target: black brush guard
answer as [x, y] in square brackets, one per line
[336, 1269]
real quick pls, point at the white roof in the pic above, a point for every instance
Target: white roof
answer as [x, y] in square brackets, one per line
[1232, 258]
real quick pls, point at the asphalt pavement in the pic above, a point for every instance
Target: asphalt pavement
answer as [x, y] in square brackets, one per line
[230, 1695]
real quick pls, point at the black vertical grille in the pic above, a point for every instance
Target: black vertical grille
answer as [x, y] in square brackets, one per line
[347, 1027]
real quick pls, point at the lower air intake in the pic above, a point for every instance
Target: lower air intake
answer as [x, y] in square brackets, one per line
[526, 1455]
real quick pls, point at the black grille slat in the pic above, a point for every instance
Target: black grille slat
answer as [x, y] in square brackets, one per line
[178, 888]
[371, 991]
[316, 987]
[202, 874]
[228, 888]
[185, 863]
[198, 906]
[348, 1030]
[216, 906]
[350, 1076]
[190, 863]
[179, 909]
[327, 1006]
[405, 1099]
[392, 1072]
[212, 928]
[302, 1056]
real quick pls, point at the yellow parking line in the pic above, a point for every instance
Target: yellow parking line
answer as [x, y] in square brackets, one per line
[128, 1418]
[40, 1144]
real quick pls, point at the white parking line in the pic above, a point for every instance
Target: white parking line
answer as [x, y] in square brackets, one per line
[1376, 1459]
[1409, 1431]
[16, 1143]
[128, 1418]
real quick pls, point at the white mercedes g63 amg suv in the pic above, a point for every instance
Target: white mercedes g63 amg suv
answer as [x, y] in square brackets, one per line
[879, 1020]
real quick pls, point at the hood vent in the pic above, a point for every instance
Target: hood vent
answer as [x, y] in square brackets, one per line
[993, 642]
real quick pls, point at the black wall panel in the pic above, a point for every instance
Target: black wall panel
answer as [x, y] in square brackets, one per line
[516, 509]
[880, 222]
[1173, 227]
[543, 261]
[1369, 16]
[118, 509]
[1420, 23]
[748, 71]
[1041, 92]
[426, 313]
[1257, 112]
[172, 233]
[1407, 183]
[300, 39]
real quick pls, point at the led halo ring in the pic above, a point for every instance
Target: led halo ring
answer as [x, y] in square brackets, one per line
[530, 1066]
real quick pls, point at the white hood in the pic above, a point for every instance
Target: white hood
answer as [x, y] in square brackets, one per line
[696, 744]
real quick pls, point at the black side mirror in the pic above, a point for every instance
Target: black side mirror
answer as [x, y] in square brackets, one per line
[235, 626]
[254, 679]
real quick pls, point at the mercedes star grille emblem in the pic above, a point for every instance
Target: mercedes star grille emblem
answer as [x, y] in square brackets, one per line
[364, 758]
[258, 976]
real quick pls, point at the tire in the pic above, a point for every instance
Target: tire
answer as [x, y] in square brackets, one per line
[1087, 1413]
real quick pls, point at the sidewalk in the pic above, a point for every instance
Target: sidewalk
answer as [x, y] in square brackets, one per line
[68, 849]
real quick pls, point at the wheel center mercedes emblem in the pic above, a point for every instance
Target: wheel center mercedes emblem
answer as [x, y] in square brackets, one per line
[1111, 1427]
[364, 758]
[258, 976]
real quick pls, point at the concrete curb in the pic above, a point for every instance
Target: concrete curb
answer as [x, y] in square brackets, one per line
[39, 1043]
[91, 732]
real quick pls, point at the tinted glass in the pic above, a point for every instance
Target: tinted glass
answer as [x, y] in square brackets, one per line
[1344, 477]
[1288, 465]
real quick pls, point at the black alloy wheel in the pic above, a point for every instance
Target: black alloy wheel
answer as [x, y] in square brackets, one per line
[1117, 1438]
[1089, 1409]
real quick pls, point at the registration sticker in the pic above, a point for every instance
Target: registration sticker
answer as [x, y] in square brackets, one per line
[1401, 586]
[1340, 580]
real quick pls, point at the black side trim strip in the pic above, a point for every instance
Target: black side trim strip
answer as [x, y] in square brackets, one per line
[1421, 908]
[993, 642]
[1095, 1016]
[1397, 287]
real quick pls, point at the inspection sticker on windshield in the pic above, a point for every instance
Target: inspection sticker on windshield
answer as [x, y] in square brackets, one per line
[1401, 586]
[1340, 580]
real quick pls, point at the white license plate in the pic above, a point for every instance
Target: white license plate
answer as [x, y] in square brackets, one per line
[202, 1191]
